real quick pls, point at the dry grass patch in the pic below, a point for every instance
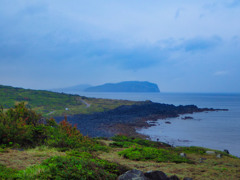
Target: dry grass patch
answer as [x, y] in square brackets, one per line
[20, 160]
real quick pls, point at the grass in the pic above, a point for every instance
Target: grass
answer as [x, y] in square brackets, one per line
[56, 165]
[227, 167]
[3, 150]
[35, 162]
[7, 173]
[154, 154]
[22, 159]
[144, 150]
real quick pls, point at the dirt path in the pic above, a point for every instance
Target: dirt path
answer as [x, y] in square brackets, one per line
[50, 113]
[84, 102]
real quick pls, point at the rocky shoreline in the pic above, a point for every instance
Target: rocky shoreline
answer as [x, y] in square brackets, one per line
[126, 119]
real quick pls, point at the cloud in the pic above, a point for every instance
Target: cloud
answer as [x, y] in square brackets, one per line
[178, 12]
[135, 61]
[232, 3]
[82, 41]
[90, 52]
[220, 73]
[34, 9]
[222, 4]
[196, 44]
[199, 44]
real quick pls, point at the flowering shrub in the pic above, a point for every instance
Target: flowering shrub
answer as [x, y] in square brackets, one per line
[66, 136]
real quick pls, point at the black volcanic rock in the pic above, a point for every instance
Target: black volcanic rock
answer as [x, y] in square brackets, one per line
[186, 117]
[98, 124]
[127, 86]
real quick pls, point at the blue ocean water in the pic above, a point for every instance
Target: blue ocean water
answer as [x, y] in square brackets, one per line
[217, 130]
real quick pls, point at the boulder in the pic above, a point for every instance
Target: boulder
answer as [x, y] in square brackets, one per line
[201, 160]
[150, 175]
[156, 175]
[183, 155]
[133, 175]
[187, 117]
[219, 156]
[226, 151]
[174, 178]
[210, 152]
[187, 178]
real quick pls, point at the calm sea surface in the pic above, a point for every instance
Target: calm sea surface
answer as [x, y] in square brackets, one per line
[216, 130]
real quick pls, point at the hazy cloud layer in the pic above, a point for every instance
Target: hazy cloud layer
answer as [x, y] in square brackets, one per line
[182, 46]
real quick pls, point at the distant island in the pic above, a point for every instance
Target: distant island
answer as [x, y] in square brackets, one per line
[126, 86]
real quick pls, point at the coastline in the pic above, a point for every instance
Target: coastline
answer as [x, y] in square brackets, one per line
[216, 130]
[128, 118]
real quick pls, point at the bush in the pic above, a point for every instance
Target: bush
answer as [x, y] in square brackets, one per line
[66, 137]
[22, 127]
[155, 154]
[69, 167]
[200, 150]
[7, 173]
[122, 144]
[191, 149]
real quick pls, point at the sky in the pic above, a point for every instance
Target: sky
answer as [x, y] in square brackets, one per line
[182, 45]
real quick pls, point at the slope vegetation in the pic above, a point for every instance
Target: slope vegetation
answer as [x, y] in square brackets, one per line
[56, 104]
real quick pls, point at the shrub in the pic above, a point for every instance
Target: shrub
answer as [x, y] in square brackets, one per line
[155, 154]
[19, 126]
[7, 173]
[22, 127]
[66, 137]
[79, 154]
[200, 150]
[191, 149]
[69, 167]
[122, 144]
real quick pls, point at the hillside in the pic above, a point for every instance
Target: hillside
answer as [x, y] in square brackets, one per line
[56, 104]
[127, 86]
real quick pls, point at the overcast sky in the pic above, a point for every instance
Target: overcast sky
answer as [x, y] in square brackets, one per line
[182, 45]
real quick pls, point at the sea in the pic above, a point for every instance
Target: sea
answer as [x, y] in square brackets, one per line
[218, 130]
